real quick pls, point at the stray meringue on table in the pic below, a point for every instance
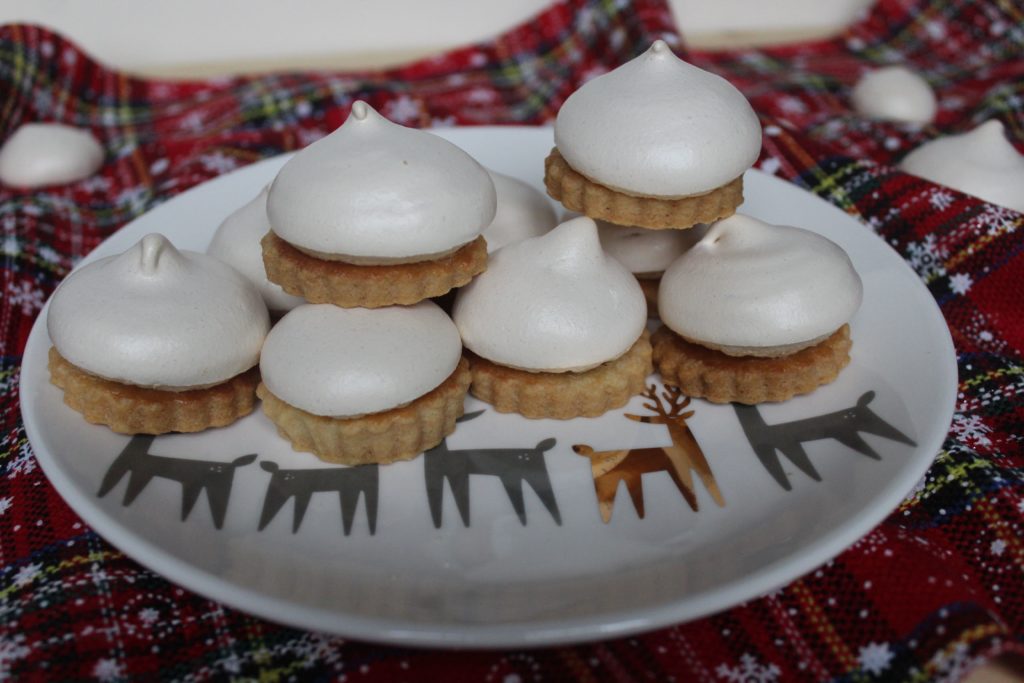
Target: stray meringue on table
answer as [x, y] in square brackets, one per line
[894, 93]
[40, 154]
[981, 162]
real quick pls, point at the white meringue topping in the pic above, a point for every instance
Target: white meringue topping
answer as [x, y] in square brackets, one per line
[894, 93]
[647, 252]
[39, 154]
[374, 189]
[749, 284]
[237, 243]
[523, 212]
[154, 316]
[657, 126]
[345, 362]
[981, 162]
[552, 303]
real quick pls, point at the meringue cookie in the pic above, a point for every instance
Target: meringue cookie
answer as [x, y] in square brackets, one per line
[39, 154]
[154, 316]
[647, 252]
[237, 243]
[552, 303]
[894, 93]
[658, 127]
[375, 190]
[523, 212]
[346, 362]
[752, 288]
[981, 162]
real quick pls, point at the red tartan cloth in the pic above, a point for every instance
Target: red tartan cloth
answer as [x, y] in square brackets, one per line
[929, 594]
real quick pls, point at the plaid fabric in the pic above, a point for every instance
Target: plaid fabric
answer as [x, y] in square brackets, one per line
[927, 595]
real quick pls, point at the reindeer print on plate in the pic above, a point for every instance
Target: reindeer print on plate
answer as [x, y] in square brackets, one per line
[517, 532]
[680, 459]
[514, 467]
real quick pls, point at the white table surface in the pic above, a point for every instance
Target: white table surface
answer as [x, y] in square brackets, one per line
[198, 37]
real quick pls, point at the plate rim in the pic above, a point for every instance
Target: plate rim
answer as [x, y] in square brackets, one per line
[574, 630]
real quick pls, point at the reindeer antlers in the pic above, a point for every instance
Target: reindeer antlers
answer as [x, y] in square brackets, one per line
[652, 393]
[671, 395]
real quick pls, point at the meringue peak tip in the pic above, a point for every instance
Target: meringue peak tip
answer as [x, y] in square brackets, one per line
[736, 223]
[737, 220]
[893, 69]
[152, 247]
[715, 233]
[992, 127]
[576, 237]
[578, 225]
[361, 111]
[660, 47]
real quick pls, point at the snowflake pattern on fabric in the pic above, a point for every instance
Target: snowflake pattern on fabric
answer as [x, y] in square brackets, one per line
[749, 670]
[403, 110]
[875, 657]
[971, 429]
[12, 648]
[927, 257]
[23, 461]
[108, 670]
[940, 198]
[218, 163]
[26, 296]
[960, 283]
[951, 666]
[26, 575]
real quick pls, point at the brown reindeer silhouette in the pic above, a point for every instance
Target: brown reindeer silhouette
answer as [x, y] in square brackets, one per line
[680, 459]
[141, 466]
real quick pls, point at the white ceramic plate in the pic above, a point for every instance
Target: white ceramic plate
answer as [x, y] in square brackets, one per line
[561, 574]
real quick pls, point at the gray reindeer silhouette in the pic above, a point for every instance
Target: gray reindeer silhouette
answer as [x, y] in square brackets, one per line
[193, 475]
[347, 482]
[512, 466]
[786, 437]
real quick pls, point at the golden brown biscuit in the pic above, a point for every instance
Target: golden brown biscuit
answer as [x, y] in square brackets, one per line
[130, 409]
[701, 372]
[563, 395]
[578, 193]
[398, 434]
[320, 281]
